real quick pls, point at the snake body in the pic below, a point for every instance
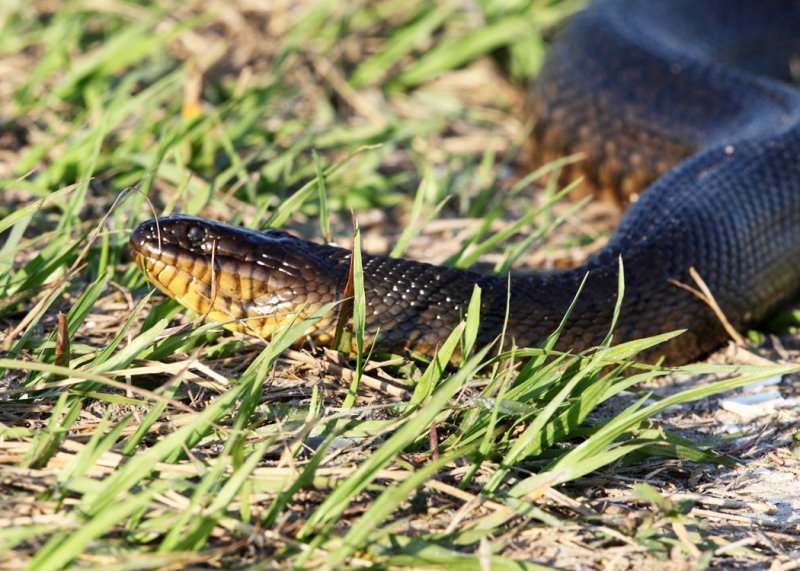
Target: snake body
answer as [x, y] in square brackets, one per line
[682, 98]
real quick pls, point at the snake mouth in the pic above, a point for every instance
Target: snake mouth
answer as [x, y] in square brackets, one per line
[228, 273]
[181, 252]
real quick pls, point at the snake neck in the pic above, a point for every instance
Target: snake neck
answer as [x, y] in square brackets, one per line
[411, 307]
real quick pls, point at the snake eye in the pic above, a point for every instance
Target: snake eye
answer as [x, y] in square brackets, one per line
[195, 234]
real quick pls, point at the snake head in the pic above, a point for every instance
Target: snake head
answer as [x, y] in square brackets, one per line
[262, 279]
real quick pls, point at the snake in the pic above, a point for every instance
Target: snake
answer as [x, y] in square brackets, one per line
[683, 109]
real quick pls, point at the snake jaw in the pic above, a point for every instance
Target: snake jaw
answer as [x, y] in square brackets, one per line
[258, 283]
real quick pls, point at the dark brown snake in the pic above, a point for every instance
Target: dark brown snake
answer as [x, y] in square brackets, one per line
[688, 94]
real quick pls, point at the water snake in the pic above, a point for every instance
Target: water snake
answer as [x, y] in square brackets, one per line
[685, 98]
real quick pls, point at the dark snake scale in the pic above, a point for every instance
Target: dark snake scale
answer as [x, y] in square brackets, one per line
[686, 105]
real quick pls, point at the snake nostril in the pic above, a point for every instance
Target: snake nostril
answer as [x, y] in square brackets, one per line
[195, 234]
